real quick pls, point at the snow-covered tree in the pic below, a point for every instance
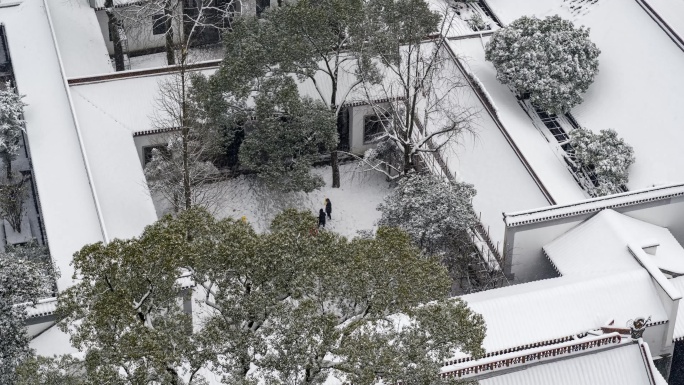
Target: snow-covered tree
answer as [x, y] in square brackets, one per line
[293, 305]
[22, 282]
[289, 135]
[13, 194]
[549, 59]
[605, 155]
[420, 110]
[431, 210]
[11, 125]
[167, 170]
[322, 44]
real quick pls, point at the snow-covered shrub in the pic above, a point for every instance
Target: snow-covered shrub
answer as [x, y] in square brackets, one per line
[608, 156]
[11, 125]
[550, 59]
[477, 23]
[430, 209]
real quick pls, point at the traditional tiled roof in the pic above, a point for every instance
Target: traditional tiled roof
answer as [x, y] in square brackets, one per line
[610, 359]
[525, 315]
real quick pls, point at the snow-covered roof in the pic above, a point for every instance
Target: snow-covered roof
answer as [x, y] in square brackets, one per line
[544, 161]
[678, 283]
[651, 194]
[489, 161]
[671, 11]
[81, 44]
[53, 342]
[599, 245]
[556, 308]
[639, 96]
[68, 205]
[624, 364]
[100, 4]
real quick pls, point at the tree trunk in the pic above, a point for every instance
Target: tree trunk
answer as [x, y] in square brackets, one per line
[170, 46]
[8, 167]
[112, 23]
[334, 164]
[185, 135]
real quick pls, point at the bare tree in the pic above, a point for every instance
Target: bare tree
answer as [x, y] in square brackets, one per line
[182, 171]
[115, 32]
[417, 106]
[185, 23]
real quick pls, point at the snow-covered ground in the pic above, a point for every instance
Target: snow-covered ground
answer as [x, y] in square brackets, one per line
[638, 88]
[353, 204]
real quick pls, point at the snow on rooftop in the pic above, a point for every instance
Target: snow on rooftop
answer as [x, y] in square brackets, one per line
[559, 307]
[53, 342]
[595, 204]
[599, 245]
[546, 163]
[621, 365]
[67, 202]
[672, 11]
[80, 39]
[638, 95]
[487, 160]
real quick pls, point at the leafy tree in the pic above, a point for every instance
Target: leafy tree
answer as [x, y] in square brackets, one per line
[11, 125]
[289, 135]
[605, 155]
[38, 370]
[431, 210]
[550, 59]
[423, 111]
[129, 304]
[323, 39]
[274, 306]
[22, 283]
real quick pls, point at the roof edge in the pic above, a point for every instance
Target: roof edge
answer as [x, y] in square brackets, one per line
[593, 205]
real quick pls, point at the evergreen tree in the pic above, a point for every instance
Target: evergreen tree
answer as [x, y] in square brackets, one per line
[549, 59]
[289, 135]
[431, 210]
[11, 126]
[272, 307]
[605, 155]
[22, 282]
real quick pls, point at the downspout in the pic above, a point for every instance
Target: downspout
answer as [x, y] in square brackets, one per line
[84, 154]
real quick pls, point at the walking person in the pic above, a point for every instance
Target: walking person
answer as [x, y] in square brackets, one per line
[328, 207]
[321, 218]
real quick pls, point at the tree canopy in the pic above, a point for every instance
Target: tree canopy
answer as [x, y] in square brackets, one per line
[430, 209]
[549, 59]
[289, 305]
[605, 155]
[25, 277]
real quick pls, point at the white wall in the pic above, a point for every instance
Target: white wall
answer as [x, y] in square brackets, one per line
[140, 35]
[148, 140]
[523, 253]
[356, 126]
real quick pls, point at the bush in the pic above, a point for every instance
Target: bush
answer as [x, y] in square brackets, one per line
[606, 155]
[550, 59]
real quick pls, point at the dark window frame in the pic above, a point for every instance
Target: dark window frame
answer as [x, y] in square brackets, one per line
[147, 152]
[373, 124]
[158, 24]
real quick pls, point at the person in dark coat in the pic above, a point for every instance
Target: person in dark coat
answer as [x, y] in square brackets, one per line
[328, 207]
[321, 218]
